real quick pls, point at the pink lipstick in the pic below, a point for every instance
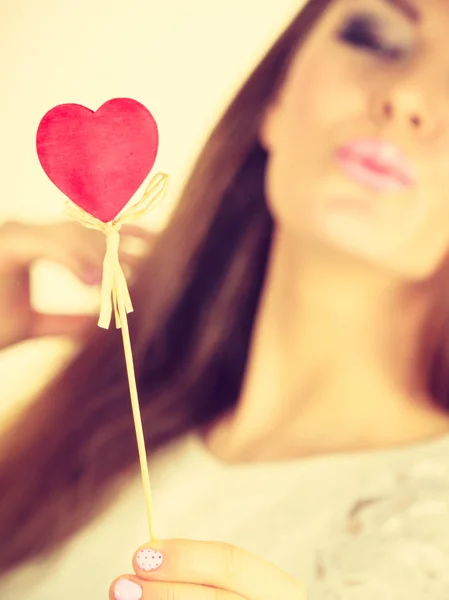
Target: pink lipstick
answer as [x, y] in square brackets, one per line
[376, 164]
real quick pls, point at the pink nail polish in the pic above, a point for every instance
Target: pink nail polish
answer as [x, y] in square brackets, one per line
[149, 560]
[125, 589]
[93, 276]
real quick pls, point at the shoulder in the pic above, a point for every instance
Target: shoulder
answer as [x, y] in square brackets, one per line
[393, 541]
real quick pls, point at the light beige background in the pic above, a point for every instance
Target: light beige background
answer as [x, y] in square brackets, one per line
[183, 59]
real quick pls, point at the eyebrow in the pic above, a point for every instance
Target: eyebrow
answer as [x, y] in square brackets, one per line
[406, 8]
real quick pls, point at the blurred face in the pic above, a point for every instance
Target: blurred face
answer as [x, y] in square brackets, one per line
[358, 137]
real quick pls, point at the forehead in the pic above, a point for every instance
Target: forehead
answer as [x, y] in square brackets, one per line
[407, 9]
[429, 17]
[414, 10]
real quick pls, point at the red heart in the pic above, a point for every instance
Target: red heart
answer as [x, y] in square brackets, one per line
[98, 159]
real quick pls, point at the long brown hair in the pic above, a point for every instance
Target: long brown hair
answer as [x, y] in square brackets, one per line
[195, 301]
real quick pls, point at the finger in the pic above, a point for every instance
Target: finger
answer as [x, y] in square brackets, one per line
[132, 250]
[88, 268]
[87, 271]
[135, 246]
[132, 263]
[218, 565]
[133, 588]
[88, 246]
[137, 231]
[74, 326]
[22, 245]
[83, 249]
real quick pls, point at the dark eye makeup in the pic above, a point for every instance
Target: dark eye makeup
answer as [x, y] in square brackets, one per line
[362, 31]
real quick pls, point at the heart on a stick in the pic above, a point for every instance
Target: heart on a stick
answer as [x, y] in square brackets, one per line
[98, 159]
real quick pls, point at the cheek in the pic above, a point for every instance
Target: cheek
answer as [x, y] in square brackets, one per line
[430, 245]
[323, 101]
[318, 103]
[428, 249]
[321, 108]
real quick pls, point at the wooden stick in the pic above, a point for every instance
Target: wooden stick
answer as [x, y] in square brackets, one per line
[137, 416]
[115, 298]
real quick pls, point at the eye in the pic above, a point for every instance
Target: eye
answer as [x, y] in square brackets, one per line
[362, 32]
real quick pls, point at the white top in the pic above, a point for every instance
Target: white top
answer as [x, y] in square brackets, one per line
[367, 526]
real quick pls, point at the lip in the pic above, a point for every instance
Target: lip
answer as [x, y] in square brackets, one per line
[376, 164]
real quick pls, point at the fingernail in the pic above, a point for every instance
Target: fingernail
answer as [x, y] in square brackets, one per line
[149, 560]
[93, 276]
[125, 589]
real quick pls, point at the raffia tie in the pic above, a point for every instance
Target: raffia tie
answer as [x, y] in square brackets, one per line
[114, 288]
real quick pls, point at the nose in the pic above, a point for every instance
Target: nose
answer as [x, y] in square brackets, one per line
[410, 103]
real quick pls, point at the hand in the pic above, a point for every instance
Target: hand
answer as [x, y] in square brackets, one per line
[189, 570]
[77, 248]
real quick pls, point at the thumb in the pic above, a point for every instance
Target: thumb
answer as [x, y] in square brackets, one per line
[74, 326]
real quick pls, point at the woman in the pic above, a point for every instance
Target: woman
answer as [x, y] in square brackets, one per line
[290, 337]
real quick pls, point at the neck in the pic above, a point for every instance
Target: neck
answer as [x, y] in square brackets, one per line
[332, 362]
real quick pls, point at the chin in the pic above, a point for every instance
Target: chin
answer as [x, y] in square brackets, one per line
[346, 254]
